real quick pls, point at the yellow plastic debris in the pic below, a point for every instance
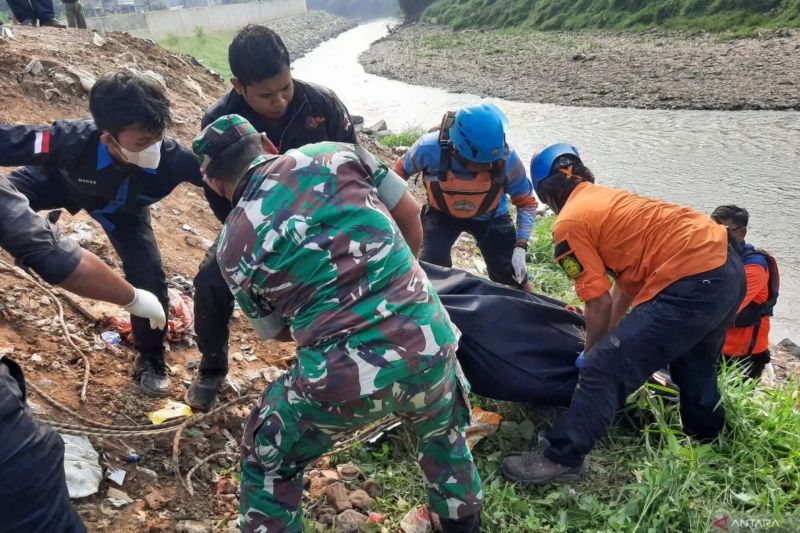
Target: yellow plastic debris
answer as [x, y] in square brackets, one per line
[171, 409]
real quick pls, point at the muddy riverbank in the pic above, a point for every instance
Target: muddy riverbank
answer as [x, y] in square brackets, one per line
[653, 70]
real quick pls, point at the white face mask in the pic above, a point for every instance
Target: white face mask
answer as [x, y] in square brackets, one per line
[150, 157]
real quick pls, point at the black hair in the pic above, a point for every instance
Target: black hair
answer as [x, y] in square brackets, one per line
[556, 188]
[732, 213]
[124, 99]
[256, 53]
[232, 162]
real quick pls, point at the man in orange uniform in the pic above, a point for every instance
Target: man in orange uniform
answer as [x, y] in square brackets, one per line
[747, 343]
[684, 281]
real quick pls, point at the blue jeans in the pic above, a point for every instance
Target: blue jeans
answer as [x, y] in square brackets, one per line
[33, 489]
[682, 328]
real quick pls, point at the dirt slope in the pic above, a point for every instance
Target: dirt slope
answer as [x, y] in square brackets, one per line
[51, 90]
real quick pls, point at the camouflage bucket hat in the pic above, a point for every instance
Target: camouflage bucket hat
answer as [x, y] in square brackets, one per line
[218, 136]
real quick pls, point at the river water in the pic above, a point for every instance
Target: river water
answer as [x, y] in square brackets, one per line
[697, 158]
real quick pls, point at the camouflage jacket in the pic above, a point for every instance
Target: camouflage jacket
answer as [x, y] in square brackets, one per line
[310, 242]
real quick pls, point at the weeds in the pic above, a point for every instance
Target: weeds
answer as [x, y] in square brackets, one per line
[644, 476]
[210, 48]
[404, 138]
[741, 17]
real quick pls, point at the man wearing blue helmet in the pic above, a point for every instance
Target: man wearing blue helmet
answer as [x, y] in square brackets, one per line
[469, 172]
[677, 270]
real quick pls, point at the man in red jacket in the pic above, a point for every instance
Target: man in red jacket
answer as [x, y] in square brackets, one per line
[747, 342]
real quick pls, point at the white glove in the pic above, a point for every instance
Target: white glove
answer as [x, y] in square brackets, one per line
[518, 263]
[146, 305]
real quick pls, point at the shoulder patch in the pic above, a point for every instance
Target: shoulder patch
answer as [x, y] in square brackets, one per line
[562, 248]
[571, 266]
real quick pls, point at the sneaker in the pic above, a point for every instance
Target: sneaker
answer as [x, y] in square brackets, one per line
[53, 23]
[150, 373]
[204, 390]
[536, 469]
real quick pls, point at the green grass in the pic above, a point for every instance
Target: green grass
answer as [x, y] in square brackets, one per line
[544, 273]
[403, 138]
[739, 17]
[645, 476]
[210, 48]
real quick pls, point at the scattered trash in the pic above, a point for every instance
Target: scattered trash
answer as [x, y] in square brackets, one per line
[198, 242]
[189, 526]
[180, 327]
[348, 471]
[171, 409]
[111, 337]
[375, 518]
[118, 498]
[484, 423]
[6, 33]
[272, 373]
[98, 40]
[81, 466]
[133, 457]
[417, 521]
[117, 476]
[36, 358]
[181, 308]
[187, 227]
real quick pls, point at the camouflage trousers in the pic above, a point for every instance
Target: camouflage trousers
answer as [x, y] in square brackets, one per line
[288, 430]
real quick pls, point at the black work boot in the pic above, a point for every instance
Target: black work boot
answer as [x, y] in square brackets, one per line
[204, 389]
[469, 524]
[150, 373]
[53, 23]
[533, 468]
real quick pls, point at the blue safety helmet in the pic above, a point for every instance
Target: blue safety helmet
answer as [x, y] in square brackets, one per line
[542, 163]
[479, 133]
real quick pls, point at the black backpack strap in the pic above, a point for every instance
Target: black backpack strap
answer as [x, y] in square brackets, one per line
[756, 328]
[445, 145]
[436, 190]
[494, 191]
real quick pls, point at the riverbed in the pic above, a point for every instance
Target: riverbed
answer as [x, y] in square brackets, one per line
[698, 158]
[651, 70]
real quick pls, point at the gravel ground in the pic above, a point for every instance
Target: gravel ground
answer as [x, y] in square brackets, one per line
[642, 70]
[303, 33]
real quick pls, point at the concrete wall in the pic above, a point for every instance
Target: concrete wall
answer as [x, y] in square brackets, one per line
[156, 25]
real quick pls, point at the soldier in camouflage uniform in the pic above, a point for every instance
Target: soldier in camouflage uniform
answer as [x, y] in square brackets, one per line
[310, 251]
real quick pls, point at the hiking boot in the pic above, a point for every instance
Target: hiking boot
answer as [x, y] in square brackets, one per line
[53, 23]
[470, 524]
[536, 469]
[150, 373]
[203, 392]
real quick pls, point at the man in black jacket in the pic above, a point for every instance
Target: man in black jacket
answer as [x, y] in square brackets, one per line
[291, 113]
[33, 490]
[113, 167]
